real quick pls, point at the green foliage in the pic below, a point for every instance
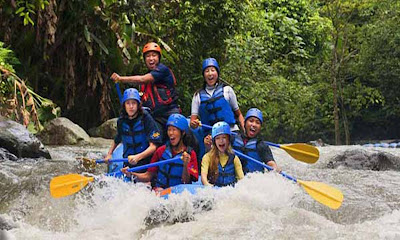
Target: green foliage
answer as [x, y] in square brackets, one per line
[378, 64]
[7, 58]
[18, 101]
[278, 55]
[267, 58]
[27, 8]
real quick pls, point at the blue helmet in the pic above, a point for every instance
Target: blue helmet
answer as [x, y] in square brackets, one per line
[220, 128]
[131, 93]
[254, 112]
[210, 62]
[178, 121]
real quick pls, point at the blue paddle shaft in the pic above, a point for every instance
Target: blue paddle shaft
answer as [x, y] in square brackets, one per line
[264, 165]
[112, 160]
[273, 144]
[134, 169]
[258, 162]
[119, 92]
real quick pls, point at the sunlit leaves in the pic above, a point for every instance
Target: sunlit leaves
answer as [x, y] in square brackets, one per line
[27, 8]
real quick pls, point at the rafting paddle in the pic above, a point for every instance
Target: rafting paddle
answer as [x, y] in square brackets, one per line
[118, 92]
[65, 185]
[321, 192]
[91, 163]
[299, 151]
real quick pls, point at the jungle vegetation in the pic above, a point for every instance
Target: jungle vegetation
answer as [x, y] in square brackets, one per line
[324, 69]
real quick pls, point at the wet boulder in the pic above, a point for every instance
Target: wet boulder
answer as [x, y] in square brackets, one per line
[19, 141]
[318, 143]
[62, 131]
[361, 159]
[106, 130]
[5, 225]
[6, 155]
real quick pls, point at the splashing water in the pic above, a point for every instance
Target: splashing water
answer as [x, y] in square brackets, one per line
[261, 206]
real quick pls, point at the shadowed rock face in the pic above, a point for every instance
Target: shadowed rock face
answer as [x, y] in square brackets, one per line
[366, 160]
[106, 130]
[19, 141]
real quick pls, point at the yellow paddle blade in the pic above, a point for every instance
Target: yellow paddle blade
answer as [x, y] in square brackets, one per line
[303, 152]
[66, 185]
[323, 193]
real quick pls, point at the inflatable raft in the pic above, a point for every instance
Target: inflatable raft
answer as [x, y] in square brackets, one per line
[383, 145]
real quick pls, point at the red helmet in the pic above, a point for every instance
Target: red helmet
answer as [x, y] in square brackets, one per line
[151, 46]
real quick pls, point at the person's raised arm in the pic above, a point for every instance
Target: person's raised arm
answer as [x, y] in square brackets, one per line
[136, 79]
[194, 118]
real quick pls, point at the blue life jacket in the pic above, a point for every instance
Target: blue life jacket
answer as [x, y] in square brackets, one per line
[249, 149]
[215, 108]
[170, 174]
[226, 175]
[134, 139]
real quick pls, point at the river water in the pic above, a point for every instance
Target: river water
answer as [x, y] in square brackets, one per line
[261, 206]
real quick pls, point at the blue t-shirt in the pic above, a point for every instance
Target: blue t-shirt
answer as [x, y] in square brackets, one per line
[162, 75]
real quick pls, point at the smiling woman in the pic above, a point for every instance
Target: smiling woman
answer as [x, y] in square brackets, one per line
[215, 101]
[220, 166]
[178, 145]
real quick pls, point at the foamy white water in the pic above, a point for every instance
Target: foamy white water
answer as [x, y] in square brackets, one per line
[262, 206]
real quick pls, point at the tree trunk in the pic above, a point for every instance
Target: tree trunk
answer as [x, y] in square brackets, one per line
[336, 111]
[335, 93]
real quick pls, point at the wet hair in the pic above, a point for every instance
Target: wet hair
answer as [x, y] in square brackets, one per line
[190, 141]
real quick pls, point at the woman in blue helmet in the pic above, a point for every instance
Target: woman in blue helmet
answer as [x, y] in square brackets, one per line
[215, 101]
[252, 145]
[220, 167]
[179, 144]
[137, 131]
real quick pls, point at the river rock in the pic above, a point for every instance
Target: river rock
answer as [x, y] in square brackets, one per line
[318, 143]
[6, 155]
[62, 131]
[4, 225]
[19, 141]
[106, 130]
[366, 160]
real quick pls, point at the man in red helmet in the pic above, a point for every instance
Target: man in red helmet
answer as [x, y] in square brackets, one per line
[157, 86]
